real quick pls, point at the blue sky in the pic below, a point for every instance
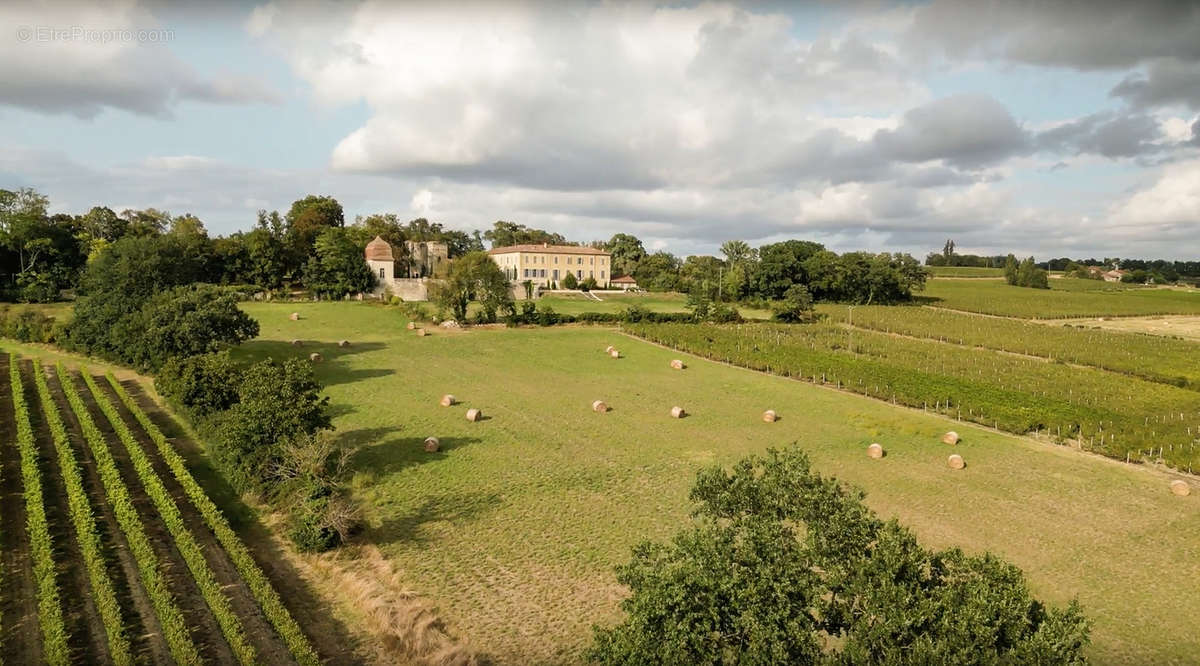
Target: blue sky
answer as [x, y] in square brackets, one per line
[1041, 130]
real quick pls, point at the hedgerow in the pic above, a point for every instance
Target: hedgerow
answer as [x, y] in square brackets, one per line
[54, 632]
[85, 527]
[169, 616]
[168, 510]
[264, 593]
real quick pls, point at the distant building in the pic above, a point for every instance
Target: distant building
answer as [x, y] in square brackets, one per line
[1113, 275]
[624, 283]
[427, 258]
[430, 260]
[545, 264]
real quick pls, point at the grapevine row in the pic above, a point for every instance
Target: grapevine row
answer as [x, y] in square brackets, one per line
[1110, 414]
[210, 589]
[54, 632]
[85, 527]
[264, 593]
[169, 616]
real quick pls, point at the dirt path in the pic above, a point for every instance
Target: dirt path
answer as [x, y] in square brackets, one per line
[20, 635]
[333, 642]
[259, 631]
[85, 629]
[205, 631]
[137, 612]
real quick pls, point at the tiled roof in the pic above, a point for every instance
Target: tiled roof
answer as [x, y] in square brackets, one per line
[548, 249]
[624, 279]
[379, 250]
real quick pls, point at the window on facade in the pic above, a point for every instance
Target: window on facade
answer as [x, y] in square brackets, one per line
[556, 260]
[601, 275]
[556, 274]
[579, 274]
[381, 273]
[526, 272]
[543, 273]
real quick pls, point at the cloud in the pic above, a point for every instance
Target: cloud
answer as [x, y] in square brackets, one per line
[1166, 81]
[1079, 34]
[1106, 133]
[79, 60]
[964, 130]
[575, 96]
[1167, 211]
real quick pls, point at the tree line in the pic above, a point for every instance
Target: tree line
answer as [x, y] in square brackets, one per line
[1140, 271]
[310, 245]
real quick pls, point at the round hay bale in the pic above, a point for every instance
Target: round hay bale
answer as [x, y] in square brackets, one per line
[875, 451]
[421, 333]
[295, 316]
[769, 416]
[315, 357]
[615, 354]
[1181, 488]
[678, 413]
[609, 349]
[343, 343]
[950, 438]
[296, 343]
[412, 326]
[474, 414]
[447, 400]
[955, 461]
[677, 364]
[432, 444]
[599, 406]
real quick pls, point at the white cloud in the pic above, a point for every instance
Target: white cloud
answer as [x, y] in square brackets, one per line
[1169, 208]
[80, 59]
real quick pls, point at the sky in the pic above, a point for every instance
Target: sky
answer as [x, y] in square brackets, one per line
[1042, 128]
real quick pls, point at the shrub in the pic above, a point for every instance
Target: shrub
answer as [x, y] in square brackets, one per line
[201, 384]
[569, 281]
[27, 325]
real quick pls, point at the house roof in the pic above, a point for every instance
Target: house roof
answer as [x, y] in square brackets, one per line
[379, 250]
[624, 279]
[546, 248]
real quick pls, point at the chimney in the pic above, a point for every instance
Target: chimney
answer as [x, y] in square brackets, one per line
[545, 245]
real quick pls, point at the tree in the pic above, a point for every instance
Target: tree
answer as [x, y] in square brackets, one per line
[306, 219]
[796, 306]
[1025, 274]
[203, 384]
[116, 285]
[474, 276]
[569, 281]
[275, 403]
[948, 252]
[504, 234]
[785, 566]
[737, 252]
[337, 268]
[187, 321]
[658, 272]
[1010, 269]
[780, 265]
[627, 252]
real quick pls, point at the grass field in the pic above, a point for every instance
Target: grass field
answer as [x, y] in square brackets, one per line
[514, 526]
[655, 301]
[965, 272]
[1066, 298]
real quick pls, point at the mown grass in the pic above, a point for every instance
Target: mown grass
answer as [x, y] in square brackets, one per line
[514, 526]
[1066, 298]
[655, 301]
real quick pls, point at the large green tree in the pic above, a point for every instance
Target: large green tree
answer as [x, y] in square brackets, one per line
[306, 219]
[337, 266]
[187, 321]
[627, 252]
[474, 276]
[780, 265]
[503, 234]
[784, 566]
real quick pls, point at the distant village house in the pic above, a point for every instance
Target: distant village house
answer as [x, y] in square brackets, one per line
[624, 283]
